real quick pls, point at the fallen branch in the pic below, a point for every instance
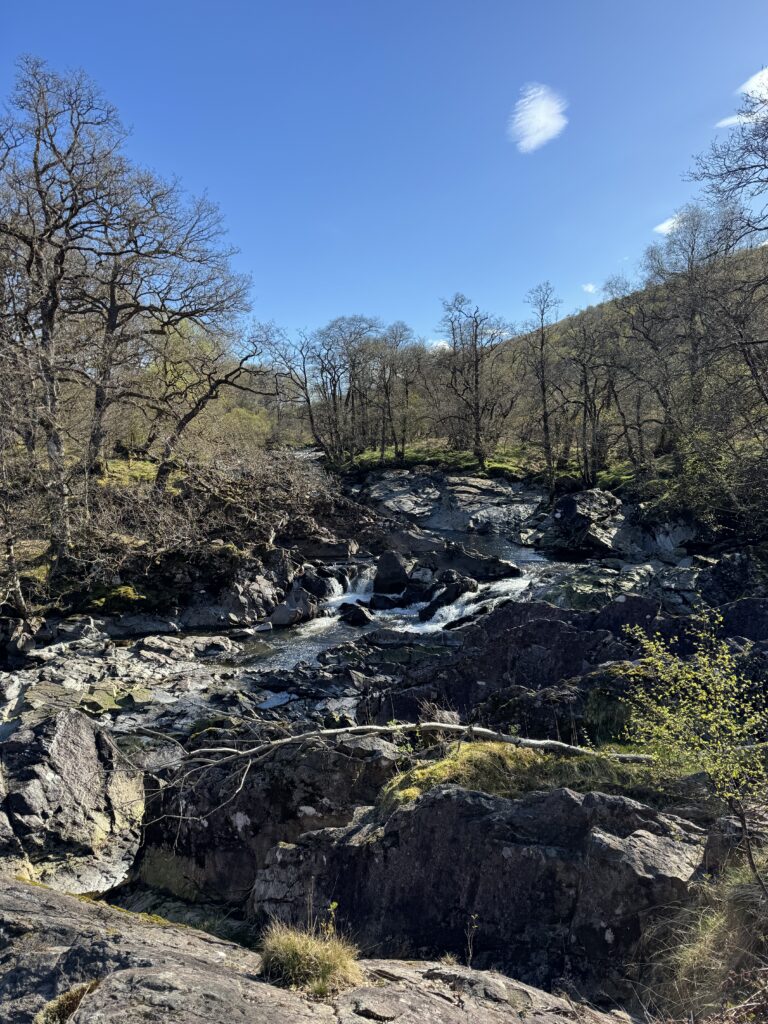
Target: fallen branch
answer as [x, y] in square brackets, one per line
[222, 755]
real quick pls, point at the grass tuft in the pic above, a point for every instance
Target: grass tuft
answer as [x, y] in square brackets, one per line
[316, 960]
[63, 1007]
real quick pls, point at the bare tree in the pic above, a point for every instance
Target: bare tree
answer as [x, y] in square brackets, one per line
[539, 347]
[484, 399]
[59, 153]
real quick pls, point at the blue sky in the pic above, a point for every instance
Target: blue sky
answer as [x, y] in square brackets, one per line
[360, 149]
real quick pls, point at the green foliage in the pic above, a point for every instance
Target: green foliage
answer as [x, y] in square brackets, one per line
[134, 473]
[436, 453]
[316, 959]
[125, 472]
[605, 716]
[700, 714]
[502, 769]
[118, 599]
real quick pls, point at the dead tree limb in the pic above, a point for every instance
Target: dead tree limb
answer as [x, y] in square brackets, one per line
[210, 756]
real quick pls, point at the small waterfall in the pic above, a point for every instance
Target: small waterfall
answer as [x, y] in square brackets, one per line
[488, 596]
[336, 589]
[362, 584]
[357, 590]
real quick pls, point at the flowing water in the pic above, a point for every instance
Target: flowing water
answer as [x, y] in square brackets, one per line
[286, 648]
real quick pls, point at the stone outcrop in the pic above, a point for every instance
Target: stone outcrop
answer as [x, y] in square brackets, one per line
[391, 574]
[298, 606]
[443, 501]
[71, 807]
[450, 586]
[596, 523]
[244, 816]
[550, 884]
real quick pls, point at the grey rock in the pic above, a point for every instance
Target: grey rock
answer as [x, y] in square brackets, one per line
[224, 827]
[355, 615]
[450, 587]
[143, 971]
[391, 574]
[553, 884]
[328, 548]
[435, 993]
[299, 606]
[595, 522]
[70, 806]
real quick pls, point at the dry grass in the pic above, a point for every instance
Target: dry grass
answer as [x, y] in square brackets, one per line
[316, 960]
[60, 1009]
[711, 962]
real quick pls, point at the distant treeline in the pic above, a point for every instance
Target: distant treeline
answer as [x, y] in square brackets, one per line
[128, 362]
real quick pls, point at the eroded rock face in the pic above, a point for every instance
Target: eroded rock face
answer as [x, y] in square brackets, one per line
[298, 606]
[433, 993]
[70, 806]
[450, 587]
[224, 827]
[451, 502]
[137, 971]
[551, 884]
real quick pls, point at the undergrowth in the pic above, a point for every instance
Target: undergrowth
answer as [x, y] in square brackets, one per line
[64, 1006]
[710, 962]
[502, 769]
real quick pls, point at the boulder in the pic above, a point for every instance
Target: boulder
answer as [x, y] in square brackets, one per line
[484, 568]
[450, 587]
[126, 969]
[439, 993]
[66, 959]
[355, 614]
[70, 806]
[391, 574]
[551, 885]
[328, 548]
[412, 493]
[596, 523]
[386, 602]
[584, 523]
[298, 606]
[321, 583]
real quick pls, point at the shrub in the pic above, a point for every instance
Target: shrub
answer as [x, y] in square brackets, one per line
[701, 714]
[315, 959]
[709, 962]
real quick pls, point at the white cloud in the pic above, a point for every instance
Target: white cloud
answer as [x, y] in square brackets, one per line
[589, 288]
[755, 87]
[727, 122]
[666, 226]
[438, 343]
[538, 117]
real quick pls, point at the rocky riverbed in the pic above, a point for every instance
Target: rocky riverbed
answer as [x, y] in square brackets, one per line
[136, 769]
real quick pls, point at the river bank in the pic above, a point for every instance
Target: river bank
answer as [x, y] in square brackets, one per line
[459, 597]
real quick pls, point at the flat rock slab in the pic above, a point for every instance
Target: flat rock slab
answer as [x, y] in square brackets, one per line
[137, 970]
